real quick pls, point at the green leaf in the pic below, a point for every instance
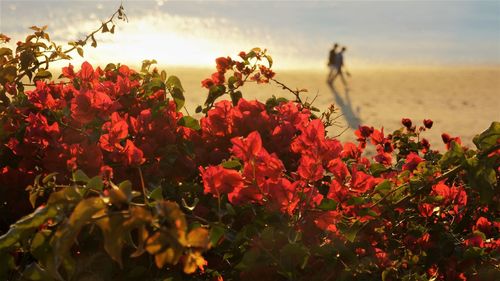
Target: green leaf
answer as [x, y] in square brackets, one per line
[215, 92]
[5, 52]
[235, 97]
[250, 259]
[25, 225]
[40, 247]
[230, 210]
[126, 188]
[80, 51]
[356, 201]
[94, 42]
[156, 194]
[42, 74]
[174, 82]
[113, 231]
[105, 28]
[95, 183]
[34, 272]
[482, 179]
[269, 60]
[80, 176]
[383, 186]
[48, 177]
[376, 169]
[179, 98]
[7, 262]
[8, 74]
[351, 231]
[294, 256]
[154, 85]
[454, 156]
[231, 164]
[217, 232]
[473, 253]
[189, 122]
[66, 234]
[327, 204]
[489, 137]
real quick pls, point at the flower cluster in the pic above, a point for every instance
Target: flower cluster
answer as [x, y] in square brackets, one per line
[271, 191]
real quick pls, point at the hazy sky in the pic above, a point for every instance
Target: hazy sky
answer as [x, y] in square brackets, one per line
[296, 33]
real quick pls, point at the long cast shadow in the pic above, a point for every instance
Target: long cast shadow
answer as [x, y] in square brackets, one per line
[353, 121]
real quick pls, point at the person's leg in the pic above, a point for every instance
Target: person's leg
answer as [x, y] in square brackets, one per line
[343, 78]
[335, 75]
[330, 74]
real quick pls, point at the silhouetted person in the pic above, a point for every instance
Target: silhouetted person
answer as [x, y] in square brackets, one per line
[339, 66]
[331, 63]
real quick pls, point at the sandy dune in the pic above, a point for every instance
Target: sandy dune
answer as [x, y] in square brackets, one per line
[461, 101]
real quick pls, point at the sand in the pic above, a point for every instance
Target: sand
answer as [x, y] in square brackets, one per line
[461, 101]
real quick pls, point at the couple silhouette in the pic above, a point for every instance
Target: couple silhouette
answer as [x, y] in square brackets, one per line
[336, 65]
[337, 68]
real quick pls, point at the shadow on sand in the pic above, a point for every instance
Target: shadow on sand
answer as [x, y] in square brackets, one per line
[345, 105]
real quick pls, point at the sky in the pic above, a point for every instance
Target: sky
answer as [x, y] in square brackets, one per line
[297, 34]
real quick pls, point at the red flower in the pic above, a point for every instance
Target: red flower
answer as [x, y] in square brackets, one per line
[117, 129]
[135, 156]
[406, 122]
[426, 209]
[328, 220]
[350, 151]
[248, 148]
[218, 78]
[282, 195]
[483, 225]
[428, 123]
[363, 132]
[446, 137]
[87, 72]
[475, 241]
[223, 64]
[411, 162]
[310, 168]
[207, 83]
[377, 137]
[338, 169]
[218, 181]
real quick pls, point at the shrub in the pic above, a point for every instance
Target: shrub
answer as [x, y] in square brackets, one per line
[119, 179]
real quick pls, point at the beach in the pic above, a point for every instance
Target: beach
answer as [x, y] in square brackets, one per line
[462, 101]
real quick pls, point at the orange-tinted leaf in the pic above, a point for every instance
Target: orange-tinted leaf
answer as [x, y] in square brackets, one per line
[198, 238]
[193, 261]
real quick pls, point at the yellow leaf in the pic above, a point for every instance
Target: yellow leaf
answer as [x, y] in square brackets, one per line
[193, 261]
[167, 256]
[198, 238]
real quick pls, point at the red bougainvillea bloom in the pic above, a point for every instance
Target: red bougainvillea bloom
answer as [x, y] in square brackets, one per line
[483, 225]
[338, 169]
[282, 195]
[411, 162]
[135, 156]
[406, 122]
[428, 123]
[223, 64]
[377, 137]
[249, 148]
[310, 168]
[328, 221]
[207, 83]
[87, 72]
[218, 181]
